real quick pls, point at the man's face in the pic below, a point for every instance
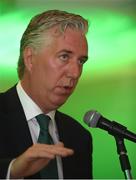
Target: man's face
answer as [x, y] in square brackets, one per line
[55, 69]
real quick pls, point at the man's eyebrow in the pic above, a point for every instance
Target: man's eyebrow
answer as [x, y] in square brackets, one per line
[66, 51]
[70, 52]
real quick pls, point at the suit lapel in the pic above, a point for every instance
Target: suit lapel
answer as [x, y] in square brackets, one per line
[17, 121]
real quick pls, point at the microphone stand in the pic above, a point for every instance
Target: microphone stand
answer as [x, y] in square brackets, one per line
[124, 160]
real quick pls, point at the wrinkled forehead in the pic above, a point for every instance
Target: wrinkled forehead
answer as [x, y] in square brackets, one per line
[71, 39]
[57, 30]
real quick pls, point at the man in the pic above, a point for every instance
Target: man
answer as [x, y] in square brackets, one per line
[52, 53]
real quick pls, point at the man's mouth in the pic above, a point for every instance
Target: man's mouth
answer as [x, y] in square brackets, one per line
[68, 89]
[65, 90]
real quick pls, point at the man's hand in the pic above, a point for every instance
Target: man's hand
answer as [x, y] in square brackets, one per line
[36, 157]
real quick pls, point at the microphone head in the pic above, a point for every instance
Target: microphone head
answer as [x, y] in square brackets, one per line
[91, 118]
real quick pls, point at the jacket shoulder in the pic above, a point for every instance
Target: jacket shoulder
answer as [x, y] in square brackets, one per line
[70, 124]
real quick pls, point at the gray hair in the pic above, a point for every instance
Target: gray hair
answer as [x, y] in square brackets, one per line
[41, 23]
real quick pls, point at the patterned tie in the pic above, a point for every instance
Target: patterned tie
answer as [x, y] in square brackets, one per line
[50, 171]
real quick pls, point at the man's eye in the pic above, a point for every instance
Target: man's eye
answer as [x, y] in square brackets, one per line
[82, 61]
[64, 57]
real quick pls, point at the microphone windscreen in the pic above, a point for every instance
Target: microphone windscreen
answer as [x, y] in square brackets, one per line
[91, 118]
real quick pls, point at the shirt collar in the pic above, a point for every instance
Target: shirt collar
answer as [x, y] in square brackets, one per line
[31, 109]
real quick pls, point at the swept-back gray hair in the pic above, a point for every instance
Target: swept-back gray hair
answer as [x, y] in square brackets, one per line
[41, 23]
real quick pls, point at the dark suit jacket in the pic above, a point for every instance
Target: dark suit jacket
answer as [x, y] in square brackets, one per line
[15, 138]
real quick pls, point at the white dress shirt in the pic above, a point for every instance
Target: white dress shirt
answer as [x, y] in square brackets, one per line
[31, 110]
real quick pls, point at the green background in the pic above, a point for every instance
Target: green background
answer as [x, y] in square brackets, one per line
[108, 83]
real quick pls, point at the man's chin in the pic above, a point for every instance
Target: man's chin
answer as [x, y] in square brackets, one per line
[60, 102]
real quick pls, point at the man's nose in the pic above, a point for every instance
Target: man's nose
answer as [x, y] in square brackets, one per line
[74, 70]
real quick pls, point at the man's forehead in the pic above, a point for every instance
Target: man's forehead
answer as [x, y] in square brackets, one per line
[56, 31]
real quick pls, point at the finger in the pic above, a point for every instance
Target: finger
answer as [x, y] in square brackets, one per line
[44, 154]
[37, 151]
[60, 151]
[49, 151]
[60, 144]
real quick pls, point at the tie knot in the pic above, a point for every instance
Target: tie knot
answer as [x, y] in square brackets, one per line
[43, 121]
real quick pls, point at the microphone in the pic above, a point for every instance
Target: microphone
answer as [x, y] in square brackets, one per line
[94, 119]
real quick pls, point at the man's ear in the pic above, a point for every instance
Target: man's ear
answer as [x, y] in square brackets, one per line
[28, 57]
